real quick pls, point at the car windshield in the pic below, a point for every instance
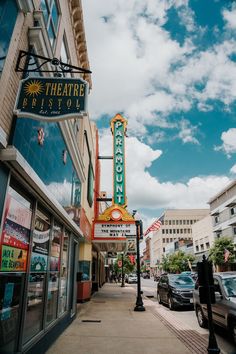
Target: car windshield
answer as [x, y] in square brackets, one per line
[181, 280]
[229, 285]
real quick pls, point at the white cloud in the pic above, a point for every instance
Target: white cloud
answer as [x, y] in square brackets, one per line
[230, 18]
[145, 191]
[61, 191]
[187, 132]
[229, 142]
[233, 169]
[138, 69]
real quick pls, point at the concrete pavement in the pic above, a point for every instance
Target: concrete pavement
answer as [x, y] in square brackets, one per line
[108, 324]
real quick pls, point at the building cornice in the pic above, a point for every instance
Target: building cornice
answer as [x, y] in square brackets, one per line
[75, 8]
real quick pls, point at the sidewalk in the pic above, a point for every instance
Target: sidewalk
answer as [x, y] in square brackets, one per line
[118, 329]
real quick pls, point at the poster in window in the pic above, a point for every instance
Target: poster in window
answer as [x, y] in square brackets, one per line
[13, 259]
[16, 227]
[41, 236]
[38, 262]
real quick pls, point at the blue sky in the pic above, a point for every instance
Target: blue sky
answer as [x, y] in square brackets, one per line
[169, 66]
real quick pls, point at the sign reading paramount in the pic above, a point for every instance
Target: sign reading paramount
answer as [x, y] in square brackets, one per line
[118, 127]
[51, 99]
[114, 230]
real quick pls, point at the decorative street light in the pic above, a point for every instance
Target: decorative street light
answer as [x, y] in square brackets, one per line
[139, 301]
[122, 271]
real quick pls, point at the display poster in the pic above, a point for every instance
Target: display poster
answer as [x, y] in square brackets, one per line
[131, 245]
[41, 236]
[13, 259]
[7, 301]
[41, 241]
[16, 228]
[38, 262]
[56, 241]
[54, 264]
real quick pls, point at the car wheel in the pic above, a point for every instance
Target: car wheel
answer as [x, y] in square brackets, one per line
[171, 303]
[233, 331]
[159, 298]
[202, 321]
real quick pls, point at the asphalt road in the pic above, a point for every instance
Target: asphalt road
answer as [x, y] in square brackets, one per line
[149, 286]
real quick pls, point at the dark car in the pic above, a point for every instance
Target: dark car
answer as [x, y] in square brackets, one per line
[175, 290]
[224, 310]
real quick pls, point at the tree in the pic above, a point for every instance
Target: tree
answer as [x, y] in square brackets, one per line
[177, 262]
[128, 267]
[219, 249]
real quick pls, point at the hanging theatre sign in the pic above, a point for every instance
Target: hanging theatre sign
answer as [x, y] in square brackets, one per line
[51, 99]
[116, 224]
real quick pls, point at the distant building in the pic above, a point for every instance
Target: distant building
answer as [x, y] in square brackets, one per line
[203, 238]
[223, 212]
[176, 226]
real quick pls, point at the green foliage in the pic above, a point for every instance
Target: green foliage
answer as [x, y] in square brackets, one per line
[128, 267]
[177, 262]
[217, 252]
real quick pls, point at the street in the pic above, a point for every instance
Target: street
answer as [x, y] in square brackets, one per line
[187, 317]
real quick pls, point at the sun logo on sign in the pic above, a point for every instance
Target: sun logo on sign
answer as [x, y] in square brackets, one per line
[33, 88]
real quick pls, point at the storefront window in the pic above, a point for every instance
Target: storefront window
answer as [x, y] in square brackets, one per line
[51, 16]
[83, 270]
[10, 296]
[8, 14]
[53, 283]
[38, 269]
[16, 232]
[64, 275]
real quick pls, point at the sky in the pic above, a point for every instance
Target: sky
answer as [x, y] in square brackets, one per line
[169, 67]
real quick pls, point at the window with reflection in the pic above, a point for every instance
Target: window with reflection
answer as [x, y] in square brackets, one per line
[37, 279]
[64, 275]
[8, 14]
[51, 17]
[54, 269]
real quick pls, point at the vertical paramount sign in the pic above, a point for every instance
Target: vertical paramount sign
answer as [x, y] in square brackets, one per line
[118, 127]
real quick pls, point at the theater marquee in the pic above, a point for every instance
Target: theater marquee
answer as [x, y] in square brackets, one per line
[51, 99]
[114, 230]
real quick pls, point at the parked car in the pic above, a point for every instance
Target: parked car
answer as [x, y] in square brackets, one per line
[193, 275]
[175, 290]
[224, 310]
[132, 279]
[146, 276]
[156, 277]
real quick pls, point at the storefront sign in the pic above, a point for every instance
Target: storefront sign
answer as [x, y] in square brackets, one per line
[114, 230]
[51, 99]
[118, 126]
[13, 259]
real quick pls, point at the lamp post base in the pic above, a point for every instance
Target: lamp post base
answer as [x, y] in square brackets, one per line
[139, 304]
[139, 308]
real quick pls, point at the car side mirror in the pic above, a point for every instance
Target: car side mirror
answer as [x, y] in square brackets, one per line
[218, 295]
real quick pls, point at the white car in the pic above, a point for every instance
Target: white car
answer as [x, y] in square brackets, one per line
[132, 278]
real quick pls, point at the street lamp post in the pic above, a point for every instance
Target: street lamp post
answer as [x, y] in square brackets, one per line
[122, 271]
[139, 301]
